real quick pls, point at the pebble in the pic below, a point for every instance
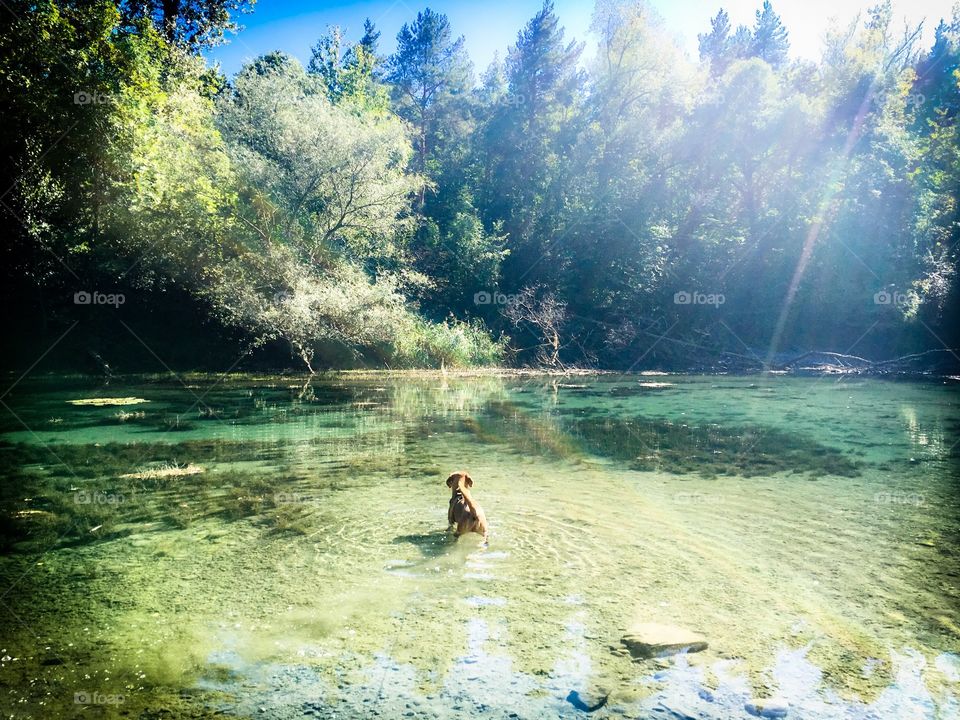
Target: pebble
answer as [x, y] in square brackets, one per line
[767, 707]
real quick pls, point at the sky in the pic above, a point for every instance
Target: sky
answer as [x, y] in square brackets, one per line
[490, 26]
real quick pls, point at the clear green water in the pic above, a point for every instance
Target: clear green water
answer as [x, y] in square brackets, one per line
[809, 528]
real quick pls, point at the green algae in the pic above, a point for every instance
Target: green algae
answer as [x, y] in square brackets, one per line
[648, 444]
[709, 449]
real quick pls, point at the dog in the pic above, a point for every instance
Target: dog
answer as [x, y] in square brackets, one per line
[464, 511]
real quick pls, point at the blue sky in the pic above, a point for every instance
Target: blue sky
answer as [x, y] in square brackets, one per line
[491, 26]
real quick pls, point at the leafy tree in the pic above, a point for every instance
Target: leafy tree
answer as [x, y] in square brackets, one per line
[640, 88]
[195, 23]
[330, 181]
[934, 90]
[428, 70]
[371, 36]
[769, 40]
[530, 130]
[934, 100]
[350, 75]
[714, 46]
[431, 78]
[61, 72]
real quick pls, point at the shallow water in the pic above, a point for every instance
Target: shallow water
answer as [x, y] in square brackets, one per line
[265, 547]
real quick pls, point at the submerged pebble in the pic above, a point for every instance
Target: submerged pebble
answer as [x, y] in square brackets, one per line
[767, 707]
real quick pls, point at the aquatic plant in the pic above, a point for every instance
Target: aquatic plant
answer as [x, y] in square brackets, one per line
[123, 416]
[709, 449]
[164, 472]
[507, 423]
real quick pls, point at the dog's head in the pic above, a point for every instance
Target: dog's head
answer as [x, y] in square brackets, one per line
[454, 480]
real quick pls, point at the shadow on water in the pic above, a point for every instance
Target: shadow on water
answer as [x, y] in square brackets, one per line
[432, 544]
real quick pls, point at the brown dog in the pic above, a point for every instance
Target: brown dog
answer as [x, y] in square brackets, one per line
[464, 511]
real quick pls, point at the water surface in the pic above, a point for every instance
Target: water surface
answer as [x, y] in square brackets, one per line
[272, 547]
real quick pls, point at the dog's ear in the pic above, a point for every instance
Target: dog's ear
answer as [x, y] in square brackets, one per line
[468, 479]
[450, 480]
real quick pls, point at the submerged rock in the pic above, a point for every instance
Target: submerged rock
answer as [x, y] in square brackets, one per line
[651, 640]
[767, 707]
[589, 702]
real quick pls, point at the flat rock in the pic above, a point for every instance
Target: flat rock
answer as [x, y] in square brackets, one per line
[589, 701]
[650, 640]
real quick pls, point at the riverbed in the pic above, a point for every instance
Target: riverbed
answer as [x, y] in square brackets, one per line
[277, 547]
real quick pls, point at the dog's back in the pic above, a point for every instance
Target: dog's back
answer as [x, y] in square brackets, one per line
[464, 511]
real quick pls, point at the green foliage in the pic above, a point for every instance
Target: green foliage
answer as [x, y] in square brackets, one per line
[529, 133]
[192, 23]
[351, 212]
[427, 72]
[767, 40]
[176, 197]
[320, 178]
[349, 76]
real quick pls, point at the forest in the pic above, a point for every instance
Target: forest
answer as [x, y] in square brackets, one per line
[627, 207]
[351, 377]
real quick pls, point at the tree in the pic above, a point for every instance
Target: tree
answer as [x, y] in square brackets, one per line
[769, 41]
[330, 180]
[935, 87]
[530, 131]
[541, 68]
[714, 46]
[543, 316]
[371, 36]
[62, 71]
[350, 75]
[934, 103]
[193, 23]
[428, 70]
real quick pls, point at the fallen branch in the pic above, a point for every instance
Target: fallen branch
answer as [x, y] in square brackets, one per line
[855, 365]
